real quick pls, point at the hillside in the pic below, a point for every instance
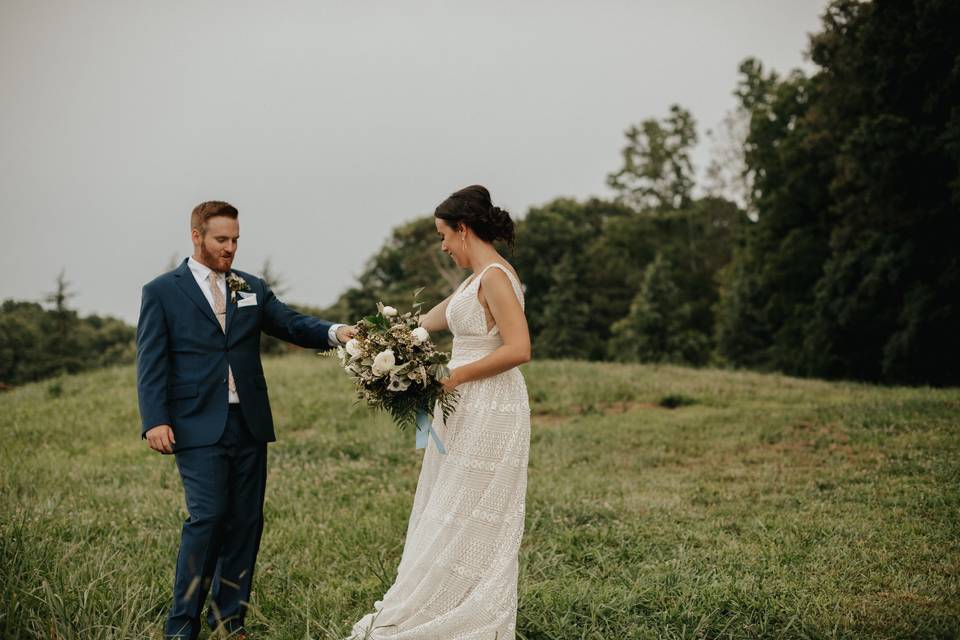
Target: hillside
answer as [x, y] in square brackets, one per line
[761, 506]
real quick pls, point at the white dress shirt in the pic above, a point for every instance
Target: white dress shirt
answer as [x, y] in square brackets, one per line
[201, 273]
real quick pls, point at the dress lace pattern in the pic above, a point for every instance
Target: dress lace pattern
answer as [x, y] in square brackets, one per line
[457, 578]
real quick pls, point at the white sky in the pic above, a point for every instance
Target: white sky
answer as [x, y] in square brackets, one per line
[328, 123]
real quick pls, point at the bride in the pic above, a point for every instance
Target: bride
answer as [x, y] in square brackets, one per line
[457, 578]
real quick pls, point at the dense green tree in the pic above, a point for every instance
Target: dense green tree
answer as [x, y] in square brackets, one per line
[566, 228]
[888, 304]
[25, 353]
[699, 242]
[581, 264]
[657, 171]
[659, 326]
[850, 269]
[105, 341]
[566, 316]
[36, 343]
[31, 346]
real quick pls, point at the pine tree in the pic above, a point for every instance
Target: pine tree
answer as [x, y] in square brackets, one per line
[62, 341]
[658, 327]
[565, 316]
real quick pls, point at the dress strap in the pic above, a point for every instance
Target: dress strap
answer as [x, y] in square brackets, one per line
[517, 289]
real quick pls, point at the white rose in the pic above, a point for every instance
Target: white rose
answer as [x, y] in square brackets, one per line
[420, 335]
[389, 312]
[353, 347]
[384, 362]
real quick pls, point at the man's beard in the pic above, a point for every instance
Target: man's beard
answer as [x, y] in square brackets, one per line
[214, 261]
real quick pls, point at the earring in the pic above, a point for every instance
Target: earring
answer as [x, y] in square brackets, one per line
[463, 242]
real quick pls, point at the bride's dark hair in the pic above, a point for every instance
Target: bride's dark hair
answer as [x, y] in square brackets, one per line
[472, 206]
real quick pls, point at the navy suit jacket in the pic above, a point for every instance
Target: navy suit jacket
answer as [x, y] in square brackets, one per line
[183, 354]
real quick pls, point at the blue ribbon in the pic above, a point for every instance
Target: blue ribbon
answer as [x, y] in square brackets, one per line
[425, 431]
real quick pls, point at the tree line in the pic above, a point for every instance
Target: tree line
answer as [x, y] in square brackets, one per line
[38, 342]
[822, 243]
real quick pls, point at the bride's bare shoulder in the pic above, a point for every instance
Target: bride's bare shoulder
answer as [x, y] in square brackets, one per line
[506, 265]
[505, 280]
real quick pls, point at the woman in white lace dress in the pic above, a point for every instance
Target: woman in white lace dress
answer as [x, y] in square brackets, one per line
[457, 578]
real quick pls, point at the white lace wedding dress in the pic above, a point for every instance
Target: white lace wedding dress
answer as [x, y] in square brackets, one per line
[457, 578]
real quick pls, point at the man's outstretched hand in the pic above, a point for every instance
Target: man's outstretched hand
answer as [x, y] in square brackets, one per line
[346, 332]
[160, 438]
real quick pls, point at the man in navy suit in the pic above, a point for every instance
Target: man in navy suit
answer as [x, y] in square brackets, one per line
[203, 397]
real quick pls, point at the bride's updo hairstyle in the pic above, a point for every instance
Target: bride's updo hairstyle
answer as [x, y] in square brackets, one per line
[472, 206]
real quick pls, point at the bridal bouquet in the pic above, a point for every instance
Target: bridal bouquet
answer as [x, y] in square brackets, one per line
[397, 368]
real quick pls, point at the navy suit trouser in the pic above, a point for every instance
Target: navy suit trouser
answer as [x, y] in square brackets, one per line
[224, 485]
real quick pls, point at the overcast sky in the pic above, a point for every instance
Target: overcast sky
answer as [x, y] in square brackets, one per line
[328, 123]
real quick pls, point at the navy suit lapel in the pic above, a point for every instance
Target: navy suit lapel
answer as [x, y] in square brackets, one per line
[188, 284]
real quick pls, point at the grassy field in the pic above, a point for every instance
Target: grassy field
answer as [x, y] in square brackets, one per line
[758, 506]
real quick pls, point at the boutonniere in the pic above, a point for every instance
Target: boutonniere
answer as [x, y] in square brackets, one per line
[236, 283]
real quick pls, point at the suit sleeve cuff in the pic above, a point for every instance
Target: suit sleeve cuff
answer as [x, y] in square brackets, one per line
[332, 335]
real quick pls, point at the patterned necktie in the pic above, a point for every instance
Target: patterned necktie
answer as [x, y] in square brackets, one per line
[220, 310]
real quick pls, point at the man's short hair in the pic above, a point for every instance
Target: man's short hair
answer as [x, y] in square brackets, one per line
[206, 210]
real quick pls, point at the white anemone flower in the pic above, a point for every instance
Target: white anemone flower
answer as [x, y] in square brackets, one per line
[398, 384]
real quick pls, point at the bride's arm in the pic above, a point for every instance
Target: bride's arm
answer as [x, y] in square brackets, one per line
[436, 318]
[509, 316]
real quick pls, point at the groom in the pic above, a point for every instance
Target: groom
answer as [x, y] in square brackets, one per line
[203, 397]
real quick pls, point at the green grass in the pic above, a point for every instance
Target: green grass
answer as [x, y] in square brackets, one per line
[758, 506]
